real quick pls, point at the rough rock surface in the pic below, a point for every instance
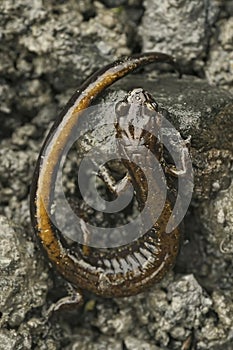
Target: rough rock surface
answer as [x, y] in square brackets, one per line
[199, 33]
[47, 50]
[187, 38]
[219, 68]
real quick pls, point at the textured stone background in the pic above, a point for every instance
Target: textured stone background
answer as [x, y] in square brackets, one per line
[47, 48]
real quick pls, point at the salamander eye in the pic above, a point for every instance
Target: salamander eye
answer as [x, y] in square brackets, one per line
[154, 105]
[122, 108]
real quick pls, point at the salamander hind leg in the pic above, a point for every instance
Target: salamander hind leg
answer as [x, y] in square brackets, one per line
[70, 302]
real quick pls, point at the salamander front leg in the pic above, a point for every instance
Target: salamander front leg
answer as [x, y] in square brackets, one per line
[172, 169]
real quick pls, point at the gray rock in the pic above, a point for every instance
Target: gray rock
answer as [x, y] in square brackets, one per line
[114, 3]
[44, 37]
[83, 342]
[219, 68]
[132, 343]
[216, 225]
[203, 121]
[23, 287]
[198, 33]
[180, 305]
[181, 28]
[166, 316]
[47, 50]
[24, 283]
[7, 339]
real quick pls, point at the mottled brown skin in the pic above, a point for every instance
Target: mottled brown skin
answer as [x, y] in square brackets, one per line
[101, 271]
